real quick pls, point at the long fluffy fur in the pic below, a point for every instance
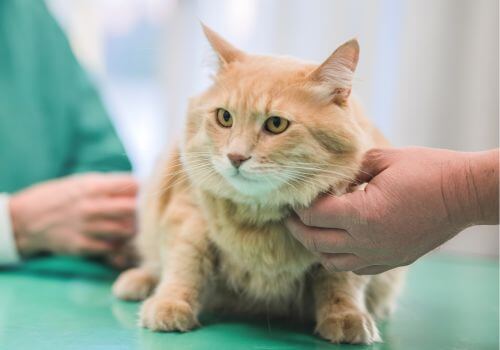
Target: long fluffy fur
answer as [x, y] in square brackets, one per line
[208, 242]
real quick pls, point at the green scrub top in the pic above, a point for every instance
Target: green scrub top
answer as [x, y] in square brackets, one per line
[52, 122]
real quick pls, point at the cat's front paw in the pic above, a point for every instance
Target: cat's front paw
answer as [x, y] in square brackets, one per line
[162, 314]
[352, 327]
[134, 284]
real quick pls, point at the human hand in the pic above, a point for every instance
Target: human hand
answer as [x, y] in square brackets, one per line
[415, 200]
[125, 256]
[85, 215]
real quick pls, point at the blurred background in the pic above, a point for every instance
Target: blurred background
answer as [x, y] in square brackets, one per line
[428, 72]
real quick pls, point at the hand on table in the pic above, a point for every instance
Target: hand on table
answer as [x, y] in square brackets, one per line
[85, 215]
[415, 200]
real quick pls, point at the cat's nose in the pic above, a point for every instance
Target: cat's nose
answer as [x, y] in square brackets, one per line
[237, 159]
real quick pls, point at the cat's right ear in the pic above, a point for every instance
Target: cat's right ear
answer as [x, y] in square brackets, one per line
[226, 52]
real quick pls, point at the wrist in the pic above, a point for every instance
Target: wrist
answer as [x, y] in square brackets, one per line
[9, 253]
[472, 188]
[18, 227]
[483, 181]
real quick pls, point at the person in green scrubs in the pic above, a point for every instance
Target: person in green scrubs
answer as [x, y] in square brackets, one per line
[65, 183]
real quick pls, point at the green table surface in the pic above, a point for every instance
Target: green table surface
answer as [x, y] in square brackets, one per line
[62, 303]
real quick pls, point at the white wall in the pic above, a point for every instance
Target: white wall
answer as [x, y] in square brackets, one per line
[448, 88]
[428, 73]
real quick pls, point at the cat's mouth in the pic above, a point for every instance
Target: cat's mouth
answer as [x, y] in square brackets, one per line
[239, 175]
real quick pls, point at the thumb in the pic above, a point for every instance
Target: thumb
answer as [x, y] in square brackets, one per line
[374, 162]
[328, 211]
[342, 212]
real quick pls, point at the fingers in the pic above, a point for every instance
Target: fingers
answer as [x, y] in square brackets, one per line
[374, 162]
[118, 262]
[123, 258]
[109, 207]
[373, 270]
[110, 218]
[351, 262]
[336, 247]
[85, 246]
[319, 240]
[342, 262]
[111, 184]
[111, 229]
[333, 212]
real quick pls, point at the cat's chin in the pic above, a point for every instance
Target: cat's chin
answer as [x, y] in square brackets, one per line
[261, 192]
[249, 187]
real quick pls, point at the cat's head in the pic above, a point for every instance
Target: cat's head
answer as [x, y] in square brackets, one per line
[273, 130]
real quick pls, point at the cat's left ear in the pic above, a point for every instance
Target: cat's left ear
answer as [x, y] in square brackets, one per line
[336, 73]
[226, 52]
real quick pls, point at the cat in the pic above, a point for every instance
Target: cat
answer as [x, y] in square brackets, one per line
[268, 136]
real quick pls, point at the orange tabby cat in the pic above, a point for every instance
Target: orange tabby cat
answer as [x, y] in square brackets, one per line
[269, 135]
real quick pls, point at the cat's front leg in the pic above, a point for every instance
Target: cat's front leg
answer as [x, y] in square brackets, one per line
[135, 284]
[341, 315]
[187, 265]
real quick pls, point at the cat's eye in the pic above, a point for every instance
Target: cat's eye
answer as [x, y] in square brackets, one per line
[276, 125]
[224, 118]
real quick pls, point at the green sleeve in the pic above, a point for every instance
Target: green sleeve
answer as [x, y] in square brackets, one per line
[95, 144]
[52, 121]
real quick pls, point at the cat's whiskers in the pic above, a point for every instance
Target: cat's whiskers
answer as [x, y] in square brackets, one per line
[310, 168]
[304, 179]
[341, 166]
[197, 170]
[191, 167]
[310, 171]
[284, 180]
[313, 167]
[292, 175]
[178, 164]
[298, 178]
